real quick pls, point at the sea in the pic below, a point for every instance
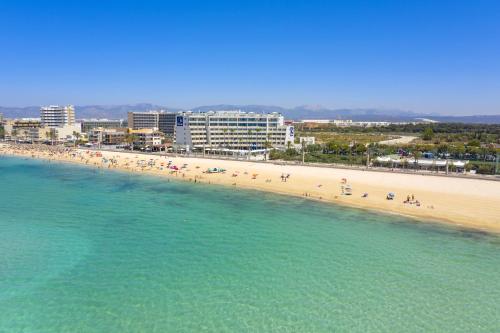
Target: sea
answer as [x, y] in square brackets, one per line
[90, 250]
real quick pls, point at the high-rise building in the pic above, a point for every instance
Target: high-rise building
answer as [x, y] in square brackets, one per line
[232, 130]
[147, 119]
[159, 120]
[54, 116]
[166, 123]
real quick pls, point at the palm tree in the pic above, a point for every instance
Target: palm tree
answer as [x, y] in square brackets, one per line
[53, 136]
[130, 139]
[25, 134]
[77, 136]
[13, 133]
[303, 151]
[268, 145]
[416, 155]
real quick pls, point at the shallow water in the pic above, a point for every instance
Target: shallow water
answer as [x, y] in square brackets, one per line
[83, 250]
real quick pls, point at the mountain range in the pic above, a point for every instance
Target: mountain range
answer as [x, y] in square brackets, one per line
[296, 113]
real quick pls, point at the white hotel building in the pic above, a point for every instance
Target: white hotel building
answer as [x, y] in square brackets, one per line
[232, 130]
[55, 116]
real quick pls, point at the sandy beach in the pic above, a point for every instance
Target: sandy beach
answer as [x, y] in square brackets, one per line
[468, 203]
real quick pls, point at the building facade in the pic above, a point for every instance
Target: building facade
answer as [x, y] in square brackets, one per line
[159, 120]
[138, 120]
[25, 129]
[89, 124]
[57, 116]
[166, 123]
[147, 137]
[232, 130]
[107, 136]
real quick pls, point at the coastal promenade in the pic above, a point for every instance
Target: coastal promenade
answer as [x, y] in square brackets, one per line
[463, 202]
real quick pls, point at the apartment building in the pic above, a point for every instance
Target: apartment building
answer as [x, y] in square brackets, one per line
[232, 130]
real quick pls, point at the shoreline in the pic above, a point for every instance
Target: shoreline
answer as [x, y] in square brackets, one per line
[472, 204]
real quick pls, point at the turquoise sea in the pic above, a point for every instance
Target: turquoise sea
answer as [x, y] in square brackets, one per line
[84, 250]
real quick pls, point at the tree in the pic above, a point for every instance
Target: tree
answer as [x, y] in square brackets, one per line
[268, 145]
[416, 155]
[130, 139]
[77, 136]
[13, 133]
[428, 134]
[474, 143]
[303, 151]
[359, 149]
[52, 136]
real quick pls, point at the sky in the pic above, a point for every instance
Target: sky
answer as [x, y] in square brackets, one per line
[424, 56]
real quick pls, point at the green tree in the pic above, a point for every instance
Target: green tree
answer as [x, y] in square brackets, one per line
[77, 136]
[474, 143]
[416, 155]
[130, 139]
[428, 134]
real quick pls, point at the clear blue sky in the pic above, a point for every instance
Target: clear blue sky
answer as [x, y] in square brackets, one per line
[425, 56]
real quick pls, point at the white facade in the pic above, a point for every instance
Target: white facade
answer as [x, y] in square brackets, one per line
[342, 122]
[57, 116]
[67, 132]
[232, 130]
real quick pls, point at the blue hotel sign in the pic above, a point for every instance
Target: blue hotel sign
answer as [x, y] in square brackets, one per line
[180, 121]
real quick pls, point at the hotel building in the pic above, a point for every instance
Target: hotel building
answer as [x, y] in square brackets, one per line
[57, 116]
[159, 120]
[232, 130]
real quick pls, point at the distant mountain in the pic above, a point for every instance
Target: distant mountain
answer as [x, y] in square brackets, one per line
[20, 112]
[86, 111]
[296, 113]
[115, 111]
[319, 112]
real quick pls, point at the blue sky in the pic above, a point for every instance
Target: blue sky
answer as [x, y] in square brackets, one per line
[425, 56]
